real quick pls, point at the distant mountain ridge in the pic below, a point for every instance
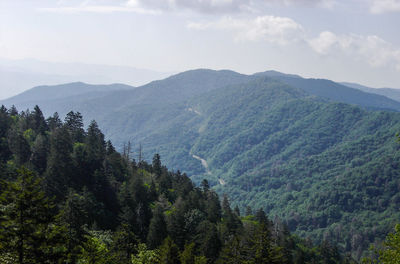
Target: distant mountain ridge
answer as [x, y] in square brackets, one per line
[388, 92]
[20, 75]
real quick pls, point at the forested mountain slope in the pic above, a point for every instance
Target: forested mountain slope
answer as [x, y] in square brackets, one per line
[285, 144]
[66, 196]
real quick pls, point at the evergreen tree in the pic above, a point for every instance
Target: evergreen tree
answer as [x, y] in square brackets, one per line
[157, 165]
[18, 145]
[74, 217]
[27, 233]
[169, 252]
[124, 243]
[59, 164]
[39, 124]
[158, 228]
[208, 240]
[40, 151]
[213, 208]
[74, 123]
[54, 122]
[95, 146]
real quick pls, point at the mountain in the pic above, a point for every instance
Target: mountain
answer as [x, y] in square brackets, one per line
[55, 92]
[319, 155]
[388, 92]
[95, 205]
[17, 76]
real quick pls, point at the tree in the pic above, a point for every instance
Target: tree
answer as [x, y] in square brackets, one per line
[59, 164]
[145, 256]
[391, 252]
[124, 243]
[157, 165]
[74, 123]
[18, 145]
[28, 233]
[95, 146]
[40, 150]
[188, 256]
[74, 217]
[158, 228]
[54, 122]
[169, 252]
[94, 251]
[39, 125]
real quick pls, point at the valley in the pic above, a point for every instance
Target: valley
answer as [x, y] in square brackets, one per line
[310, 152]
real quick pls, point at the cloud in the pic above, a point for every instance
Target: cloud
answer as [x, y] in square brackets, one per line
[88, 7]
[384, 6]
[203, 6]
[311, 3]
[273, 29]
[225, 6]
[372, 49]
[158, 6]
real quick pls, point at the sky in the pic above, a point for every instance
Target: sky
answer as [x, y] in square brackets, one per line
[343, 40]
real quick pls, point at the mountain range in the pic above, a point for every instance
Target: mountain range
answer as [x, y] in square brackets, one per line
[320, 155]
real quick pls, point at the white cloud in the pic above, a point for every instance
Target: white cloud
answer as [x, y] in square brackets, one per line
[88, 7]
[225, 6]
[372, 49]
[157, 6]
[384, 6]
[204, 6]
[278, 30]
[312, 3]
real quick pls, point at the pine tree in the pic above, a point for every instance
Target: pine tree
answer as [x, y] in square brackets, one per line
[158, 228]
[169, 252]
[54, 122]
[59, 164]
[95, 146]
[157, 165]
[124, 242]
[74, 217]
[28, 233]
[18, 145]
[39, 125]
[74, 123]
[40, 151]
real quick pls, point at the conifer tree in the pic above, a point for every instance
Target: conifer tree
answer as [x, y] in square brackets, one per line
[169, 252]
[158, 228]
[74, 123]
[28, 234]
[54, 122]
[39, 124]
[59, 164]
[40, 151]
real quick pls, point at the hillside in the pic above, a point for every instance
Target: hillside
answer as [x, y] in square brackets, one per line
[308, 151]
[67, 196]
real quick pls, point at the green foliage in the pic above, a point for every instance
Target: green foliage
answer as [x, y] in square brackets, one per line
[391, 253]
[169, 252]
[28, 233]
[106, 206]
[145, 255]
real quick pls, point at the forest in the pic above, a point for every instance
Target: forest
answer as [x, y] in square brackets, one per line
[67, 196]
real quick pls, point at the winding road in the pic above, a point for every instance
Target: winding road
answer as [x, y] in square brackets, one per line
[205, 165]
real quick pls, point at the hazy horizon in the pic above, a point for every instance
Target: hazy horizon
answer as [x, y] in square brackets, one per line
[345, 41]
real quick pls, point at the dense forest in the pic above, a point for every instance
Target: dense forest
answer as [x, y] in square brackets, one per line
[67, 196]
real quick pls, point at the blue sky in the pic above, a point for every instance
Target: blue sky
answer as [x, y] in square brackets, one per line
[352, 40]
